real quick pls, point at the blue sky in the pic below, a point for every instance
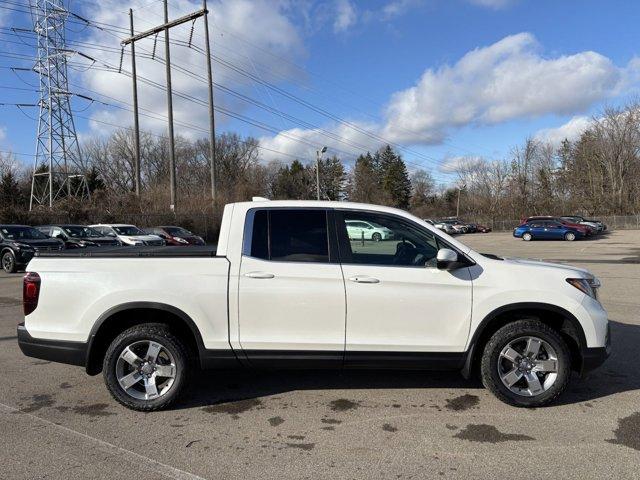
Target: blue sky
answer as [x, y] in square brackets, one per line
[440, 79]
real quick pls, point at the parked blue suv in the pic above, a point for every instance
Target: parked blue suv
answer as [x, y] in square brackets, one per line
[546, 230]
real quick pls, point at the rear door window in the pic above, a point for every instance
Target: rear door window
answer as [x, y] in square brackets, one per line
[288, 235]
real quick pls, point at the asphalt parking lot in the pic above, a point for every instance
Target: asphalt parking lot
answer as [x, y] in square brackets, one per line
[56, 422]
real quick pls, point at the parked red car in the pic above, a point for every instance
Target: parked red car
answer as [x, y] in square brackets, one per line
[176, 235]
[482, 229]
[584, 229]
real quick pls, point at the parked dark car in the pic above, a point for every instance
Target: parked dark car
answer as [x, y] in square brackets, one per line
[19, 243]
[482, 228]
[547, 230]
[175, 235]
[78, 236]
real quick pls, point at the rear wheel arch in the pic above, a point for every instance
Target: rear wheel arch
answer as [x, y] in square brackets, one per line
[118, 319]
[555, 317]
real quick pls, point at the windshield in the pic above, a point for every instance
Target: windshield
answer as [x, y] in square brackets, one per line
[178, 232]
[22, 233]
[128, 230]
[77, 231]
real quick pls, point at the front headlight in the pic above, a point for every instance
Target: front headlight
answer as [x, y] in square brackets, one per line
[23, 246]
[588, 286]
[180, 240]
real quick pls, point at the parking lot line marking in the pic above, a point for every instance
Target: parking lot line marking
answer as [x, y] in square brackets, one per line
[163, 469]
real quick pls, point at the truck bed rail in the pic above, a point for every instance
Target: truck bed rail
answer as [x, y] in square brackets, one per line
[134, 252]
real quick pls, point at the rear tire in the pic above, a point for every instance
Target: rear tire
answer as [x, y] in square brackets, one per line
[146, 367]
[526, 364]
[569, 236]
[9, 262]
[527, 237]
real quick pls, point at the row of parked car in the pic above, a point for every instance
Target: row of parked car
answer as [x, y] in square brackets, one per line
[568, 227]
[453, 226]
[18, 243]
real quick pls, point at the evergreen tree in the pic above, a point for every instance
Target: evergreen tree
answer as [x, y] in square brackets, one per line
[94, 181]
[293, 182]
[10, 194]
[332, 179]
[396, 185]
[365, 180]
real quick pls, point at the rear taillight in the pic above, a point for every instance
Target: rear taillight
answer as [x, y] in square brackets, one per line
[30, 292]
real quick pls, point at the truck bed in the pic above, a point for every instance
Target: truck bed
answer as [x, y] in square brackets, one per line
[133, 252]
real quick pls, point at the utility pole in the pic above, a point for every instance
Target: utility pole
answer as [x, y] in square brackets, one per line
[172, 146]
[153, 31]
[318, 158]
[136, 124]
[212, 125]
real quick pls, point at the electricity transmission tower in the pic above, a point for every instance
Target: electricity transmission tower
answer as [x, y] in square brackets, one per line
[57, 163]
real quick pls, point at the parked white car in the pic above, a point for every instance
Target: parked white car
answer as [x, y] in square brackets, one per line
[286, 287]
[357, 229]
[128, 234]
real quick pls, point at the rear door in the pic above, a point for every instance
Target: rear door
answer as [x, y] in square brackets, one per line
[291, 292]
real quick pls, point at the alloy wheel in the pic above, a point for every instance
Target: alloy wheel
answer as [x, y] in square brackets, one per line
[528, 366]
[145, 370]
[7, 262]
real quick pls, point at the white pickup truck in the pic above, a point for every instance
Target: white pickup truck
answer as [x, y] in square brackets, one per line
[287, 287]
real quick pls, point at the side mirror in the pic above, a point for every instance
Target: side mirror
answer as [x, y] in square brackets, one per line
[447, 259]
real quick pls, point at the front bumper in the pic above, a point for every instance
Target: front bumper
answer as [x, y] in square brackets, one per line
[592, 358]
[61, 351]
[24, 256]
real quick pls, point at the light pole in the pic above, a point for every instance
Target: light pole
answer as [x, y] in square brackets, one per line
[318, 158]
[460, 188]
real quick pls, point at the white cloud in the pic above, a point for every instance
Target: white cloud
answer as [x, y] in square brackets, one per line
[4, 17]
[346, 16]
[504, 81]
[495, 4]
[458, 163]
[353, 142]
[242, 31]
[570, 131]
[3, 133]
[396, 8]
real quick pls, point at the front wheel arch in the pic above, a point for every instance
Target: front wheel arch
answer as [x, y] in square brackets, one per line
[552, 315]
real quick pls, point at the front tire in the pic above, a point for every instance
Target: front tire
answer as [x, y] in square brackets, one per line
[145, 367]
[527, 237]
[9, 262]
[376, 237]
[569, 236]
[526, 364]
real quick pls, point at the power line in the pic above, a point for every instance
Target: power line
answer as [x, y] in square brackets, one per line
[276, 131]
[294, 98]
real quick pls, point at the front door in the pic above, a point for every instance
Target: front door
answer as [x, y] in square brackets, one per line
[291, 291]
[402, 311]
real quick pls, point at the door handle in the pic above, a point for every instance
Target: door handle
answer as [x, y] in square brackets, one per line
[259, 275]
[364, 279]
